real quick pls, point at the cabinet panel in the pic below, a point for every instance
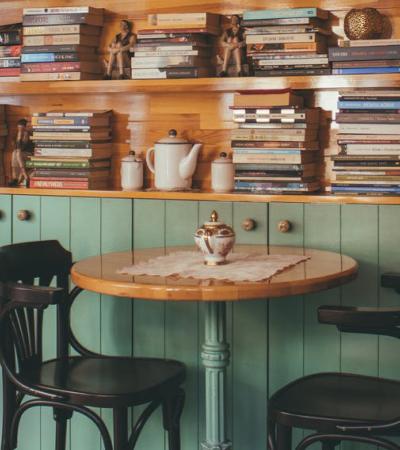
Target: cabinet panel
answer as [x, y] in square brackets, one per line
[85, 242]
[5, 219]
[182, 321]
[256, 212]
[321, 342]
[26, 230]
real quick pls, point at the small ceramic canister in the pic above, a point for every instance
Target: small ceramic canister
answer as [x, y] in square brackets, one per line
[131, 172]
[222, 174]
[215, 239]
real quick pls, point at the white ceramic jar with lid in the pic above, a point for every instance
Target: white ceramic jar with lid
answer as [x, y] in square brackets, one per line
[131, 172]
[222, 174]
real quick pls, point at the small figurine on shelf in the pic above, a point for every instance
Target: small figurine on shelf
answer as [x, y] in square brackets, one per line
[233, 43]
[120, 51]
[22, 149]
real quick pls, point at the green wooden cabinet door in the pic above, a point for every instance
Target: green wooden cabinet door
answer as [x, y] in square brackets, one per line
[5, 219]
[29, 230]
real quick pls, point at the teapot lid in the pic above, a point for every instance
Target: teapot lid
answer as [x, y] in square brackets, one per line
[223, 159]
[214, 226]
[172, 138]
[131, 157]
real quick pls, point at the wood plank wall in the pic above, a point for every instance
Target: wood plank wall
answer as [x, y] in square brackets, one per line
[142, 119]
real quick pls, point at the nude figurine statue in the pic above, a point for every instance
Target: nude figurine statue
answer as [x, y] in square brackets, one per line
[233, 42]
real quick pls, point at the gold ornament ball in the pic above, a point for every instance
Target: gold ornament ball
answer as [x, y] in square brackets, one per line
[367, 23]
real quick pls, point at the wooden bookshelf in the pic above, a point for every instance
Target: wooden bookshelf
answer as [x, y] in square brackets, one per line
[207, 196]
[218, 85]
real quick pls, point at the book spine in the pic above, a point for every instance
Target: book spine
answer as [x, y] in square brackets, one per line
[10, 51]
[168, 73]
[266, 144]
[49, 57]
[364, 53]
[170, 53]
[57, 39]
[292, 46]
[10, 72]
[61, 10]
[54, 19]
[365, 70]
[55, 184]
[51, 67]
[261, 135]
[55, 29]
[281, 38]
[10, 63]
[363, 128]
[262, 159]
[281, 13]
[56, 76]
[64, 152]
[285, 21]
[164, 62]
[60, 173]
[63, 144]
[263, 151]
[10, 38]
[63, 121]
[367, 118]
[58, 165]
[349, 104]
[73, 48]
[292, 72]
[161, 48]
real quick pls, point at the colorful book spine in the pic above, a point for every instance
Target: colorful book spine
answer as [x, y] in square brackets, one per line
[348, 104]
[284, 13]
[27, 58]
[365, 70]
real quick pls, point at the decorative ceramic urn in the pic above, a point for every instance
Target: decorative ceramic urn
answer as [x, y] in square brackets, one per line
[215, 239]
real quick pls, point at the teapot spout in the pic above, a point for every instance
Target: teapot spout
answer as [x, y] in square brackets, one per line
[187, 166]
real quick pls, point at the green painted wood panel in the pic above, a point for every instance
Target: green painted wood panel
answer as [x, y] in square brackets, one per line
[29, 436]
[321, 342]
[5, 219]
[149, 317]
[54, 224]
[85, 242]
[182, 327]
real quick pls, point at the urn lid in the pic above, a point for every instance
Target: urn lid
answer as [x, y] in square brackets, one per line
[131, 158]
[172, 138]
[215, 227]
[223, 159]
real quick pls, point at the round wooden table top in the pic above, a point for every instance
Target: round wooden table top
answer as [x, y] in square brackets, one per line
[324, 270]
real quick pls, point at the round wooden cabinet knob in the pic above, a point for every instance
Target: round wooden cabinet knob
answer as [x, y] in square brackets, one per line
[248, 224]
[284, 226]
[23, 214]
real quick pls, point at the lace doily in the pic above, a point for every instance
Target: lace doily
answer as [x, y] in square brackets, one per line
[240, 266]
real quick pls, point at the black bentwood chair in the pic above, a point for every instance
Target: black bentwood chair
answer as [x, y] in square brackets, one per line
[71, 384]
[341, 406]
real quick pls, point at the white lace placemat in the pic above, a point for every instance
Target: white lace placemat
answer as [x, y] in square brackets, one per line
[240, 266]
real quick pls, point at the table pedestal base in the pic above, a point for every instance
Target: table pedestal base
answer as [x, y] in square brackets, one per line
[215, 356]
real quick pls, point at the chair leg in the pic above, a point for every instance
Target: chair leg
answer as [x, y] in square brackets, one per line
[172, 411]
[283, 437]
[61, 417]
[271, 435]
[120, 428]
[9, 407]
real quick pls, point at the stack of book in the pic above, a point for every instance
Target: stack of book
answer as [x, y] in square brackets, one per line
[366, 56]
[61, 43]
[72, 150]
[176, 46]
[286, 42]
[10, 52]
[275, 148]
[3, 137]
[369, 141]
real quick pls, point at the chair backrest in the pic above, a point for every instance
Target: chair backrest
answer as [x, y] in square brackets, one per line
[22, 304]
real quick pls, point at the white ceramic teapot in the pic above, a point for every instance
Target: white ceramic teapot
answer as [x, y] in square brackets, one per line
[174, 162]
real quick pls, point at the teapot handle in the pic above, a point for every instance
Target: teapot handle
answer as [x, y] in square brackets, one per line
[149, 161]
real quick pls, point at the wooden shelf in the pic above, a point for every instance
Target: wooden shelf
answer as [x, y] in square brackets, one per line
[326, 82]
[209, 196]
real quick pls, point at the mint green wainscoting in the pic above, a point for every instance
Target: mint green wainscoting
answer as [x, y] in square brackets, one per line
[271, 343]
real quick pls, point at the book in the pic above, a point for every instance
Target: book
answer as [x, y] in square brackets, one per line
[74, 152]
[292, 72]
[285, 13]
[276, 144]
[65, 163]
[64, 48]
[71, 121]
[364, 53]
[286, 29]
[262, 99]
[10, 51]
[368, 104]
[78, 66]
[11, 37]
[258, 116]
[62, 39]
[28, 58]
[365, 189]
[176, 52]
[183, 20]
[274, 179]
[275, 125]
[259, 186]
[365, 70]
[62, 10]
[368, 138]
[370, 128]
[10, 72]
[63, 19]
[377, 148]
[75, 113]
[171, 73]
[66, 184]
[360, 64]
[282, 38]
[10, 62]
[275, 135]
[216, 31]
[370, 95]
[168, 61]
[276, 167]
[92, 135]
[139, 49]
[275, 158]
[59, 76]
[367, 118]
[367, 42]
[289, 21]
[365, 158]
[316, 59]
[63, 29]
[318, 47]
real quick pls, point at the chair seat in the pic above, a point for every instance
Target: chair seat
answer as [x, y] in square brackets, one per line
[107, 381]
[330, 399]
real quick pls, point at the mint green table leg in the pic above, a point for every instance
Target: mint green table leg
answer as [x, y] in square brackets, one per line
[215, 358]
